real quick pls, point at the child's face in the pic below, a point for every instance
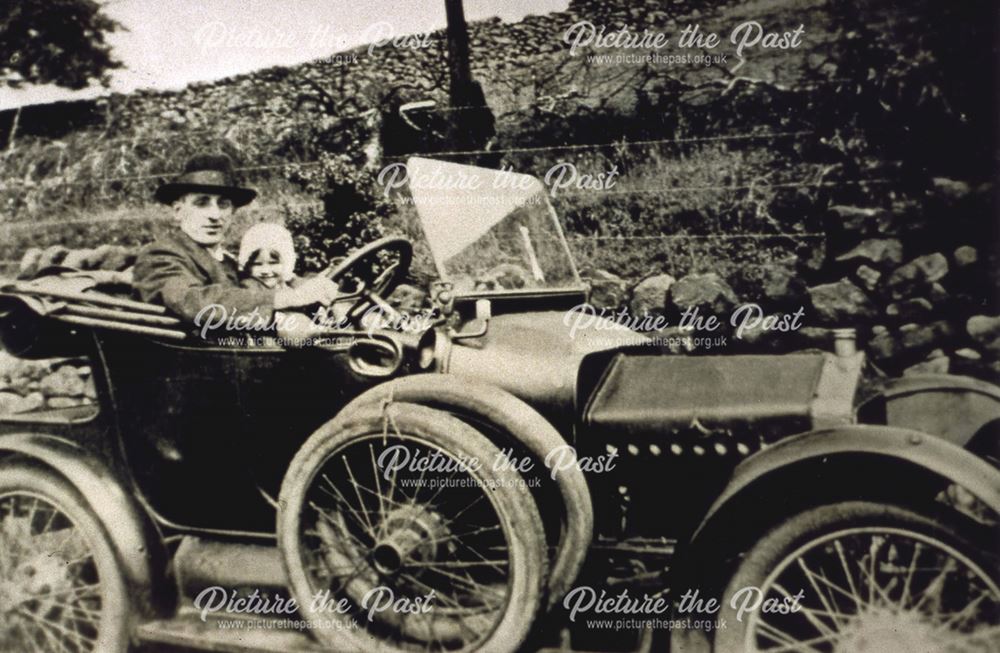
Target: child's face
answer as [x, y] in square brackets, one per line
[265, 267]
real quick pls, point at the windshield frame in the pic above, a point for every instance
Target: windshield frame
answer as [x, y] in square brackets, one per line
[573, 285]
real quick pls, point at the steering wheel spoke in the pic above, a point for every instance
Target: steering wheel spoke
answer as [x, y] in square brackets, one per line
[372, 292]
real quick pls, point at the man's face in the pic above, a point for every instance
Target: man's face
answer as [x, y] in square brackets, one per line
[204, 217]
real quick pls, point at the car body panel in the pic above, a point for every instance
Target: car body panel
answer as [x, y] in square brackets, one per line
[206, 427]
[955, 408]
[535, 357]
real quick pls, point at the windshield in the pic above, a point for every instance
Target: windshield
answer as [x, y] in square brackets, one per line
[490, 230]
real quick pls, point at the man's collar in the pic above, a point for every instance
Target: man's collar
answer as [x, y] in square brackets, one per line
[217, 253]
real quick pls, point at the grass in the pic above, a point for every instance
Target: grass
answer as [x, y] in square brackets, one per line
[665, 212]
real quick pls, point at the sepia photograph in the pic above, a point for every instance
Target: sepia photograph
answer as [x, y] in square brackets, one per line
[499, 326]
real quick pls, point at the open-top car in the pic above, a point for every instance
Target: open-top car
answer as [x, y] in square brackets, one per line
[475, 479]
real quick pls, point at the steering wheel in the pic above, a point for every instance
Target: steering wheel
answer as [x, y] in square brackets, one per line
[373, 292]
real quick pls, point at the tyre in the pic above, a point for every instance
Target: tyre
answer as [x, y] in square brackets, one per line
[401, 504]
[860, 576]
[60, 586]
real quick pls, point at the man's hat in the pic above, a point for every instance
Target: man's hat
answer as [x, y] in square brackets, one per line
[206, 173]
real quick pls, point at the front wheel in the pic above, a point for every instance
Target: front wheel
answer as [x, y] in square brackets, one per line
[60, 587]
[860, 576]
[399, 532]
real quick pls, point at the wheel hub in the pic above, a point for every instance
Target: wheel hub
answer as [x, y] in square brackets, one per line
[37, 577]
[408, 534]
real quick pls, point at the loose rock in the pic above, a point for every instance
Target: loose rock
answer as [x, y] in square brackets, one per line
[985, 330]
[921, 336]
[607, 290]
[883, 345]
[64, 382]
[709, 293]
[965, 256]
[649, 297]
[880, 251]
[869, 277]
[781, 284]
[909, 310]
[840, 303]
[919, 273]
[858, 219]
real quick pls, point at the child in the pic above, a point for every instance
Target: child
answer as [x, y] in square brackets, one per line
[267, 256]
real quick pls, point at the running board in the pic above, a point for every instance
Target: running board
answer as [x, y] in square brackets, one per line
[201, 563]
[231, 635]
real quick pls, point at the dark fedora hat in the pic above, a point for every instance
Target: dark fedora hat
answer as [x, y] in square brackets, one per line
[206, 173]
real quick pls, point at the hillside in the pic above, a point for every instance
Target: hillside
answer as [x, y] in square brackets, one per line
[852, 175]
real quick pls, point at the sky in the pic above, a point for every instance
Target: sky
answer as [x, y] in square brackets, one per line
[170, 43]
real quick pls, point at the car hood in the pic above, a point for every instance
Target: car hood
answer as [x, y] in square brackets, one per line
[537, 356]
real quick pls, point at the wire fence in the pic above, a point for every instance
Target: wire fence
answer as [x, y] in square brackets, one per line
[741, 137]
[731, 244]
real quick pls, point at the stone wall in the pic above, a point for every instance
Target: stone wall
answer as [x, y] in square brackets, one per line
[27, 386]
[914, 281]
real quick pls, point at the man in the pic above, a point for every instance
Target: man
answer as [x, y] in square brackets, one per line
[187, 270]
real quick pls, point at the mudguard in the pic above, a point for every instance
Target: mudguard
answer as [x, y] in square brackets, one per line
[132, 535]
[956, 408]
[930, 453]
[491, 405]
[820, 452]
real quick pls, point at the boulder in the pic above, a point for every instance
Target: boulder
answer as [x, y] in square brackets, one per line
[968, 354]
[80, 259]
[950, 188]
[985, 330]
[10, 402]
[965, 256]
[28, 265]
[116, 257]
[909, 310]
[111, 257]
[63, 402]
[30, 403]
[607, 290]
[50, 256]
[781, 284]
[64, 382]
[868, 277]
[649, 297]
[709, 293]
[883, 345]
[925, 336]
[916, 275]
[841, 303]
[879, 251]
[859, 219]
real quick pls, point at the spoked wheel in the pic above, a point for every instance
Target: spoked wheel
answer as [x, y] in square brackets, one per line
[60, 588]
[868, 577]
[398, 535]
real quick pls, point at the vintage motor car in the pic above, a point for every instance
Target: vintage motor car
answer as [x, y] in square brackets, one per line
[476, 483]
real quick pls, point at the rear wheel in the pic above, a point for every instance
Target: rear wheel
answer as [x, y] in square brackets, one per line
[60, 587]
[399, 507]
[859, 576]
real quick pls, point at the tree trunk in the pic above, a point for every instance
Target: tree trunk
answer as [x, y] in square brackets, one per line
[459, 70]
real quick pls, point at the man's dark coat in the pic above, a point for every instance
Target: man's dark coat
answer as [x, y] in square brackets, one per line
[176, 272]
